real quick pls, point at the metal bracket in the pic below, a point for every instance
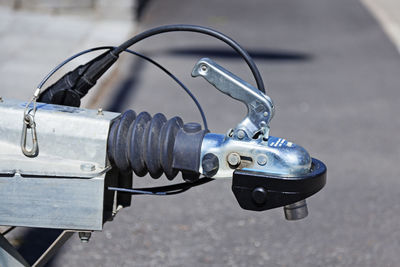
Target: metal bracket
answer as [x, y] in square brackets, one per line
[260, 108]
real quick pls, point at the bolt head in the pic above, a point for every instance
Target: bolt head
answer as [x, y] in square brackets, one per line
[88, 167]
[241, 134]
[234, 159]
[85, 236]
[210, 164]
[261, 160]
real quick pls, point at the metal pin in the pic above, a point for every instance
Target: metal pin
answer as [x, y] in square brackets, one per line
[234, 159]
[296, 211]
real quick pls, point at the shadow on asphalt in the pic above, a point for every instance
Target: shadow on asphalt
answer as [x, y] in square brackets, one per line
[35, 243]
[269, 55]
[128, 86]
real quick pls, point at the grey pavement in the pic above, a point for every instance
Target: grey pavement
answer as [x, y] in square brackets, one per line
[334, 77]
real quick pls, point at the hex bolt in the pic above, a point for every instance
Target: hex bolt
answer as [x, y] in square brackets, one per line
[88, 167]
[210, 164]
[241, 134]
[261, 159]
[234, 159]
[100, 111]
[85, 236]
[296, 211]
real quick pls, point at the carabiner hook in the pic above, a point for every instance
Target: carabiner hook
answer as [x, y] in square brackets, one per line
[29, 123]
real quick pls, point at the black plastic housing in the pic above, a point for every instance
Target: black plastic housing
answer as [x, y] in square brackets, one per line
[258, 191]
[74, 85]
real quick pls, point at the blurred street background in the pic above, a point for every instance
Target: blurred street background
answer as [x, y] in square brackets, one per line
[332, 69]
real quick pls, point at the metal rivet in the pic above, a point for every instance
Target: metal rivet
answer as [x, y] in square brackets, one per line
[241, 134]
[88, 167]
[100, 111]
[234, 159]
[265, 114]
[261, 160]
[203, 67]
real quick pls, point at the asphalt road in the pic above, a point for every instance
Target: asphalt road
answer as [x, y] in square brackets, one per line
[334, 77]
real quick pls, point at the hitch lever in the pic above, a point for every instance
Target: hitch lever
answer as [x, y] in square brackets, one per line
[260, 108]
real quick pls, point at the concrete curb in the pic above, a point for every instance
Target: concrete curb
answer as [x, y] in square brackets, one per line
[387, 13]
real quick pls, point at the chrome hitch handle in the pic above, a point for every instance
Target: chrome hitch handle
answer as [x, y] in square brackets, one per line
[260, 108]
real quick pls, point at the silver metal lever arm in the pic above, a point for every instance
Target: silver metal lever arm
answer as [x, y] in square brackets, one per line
[260, 109]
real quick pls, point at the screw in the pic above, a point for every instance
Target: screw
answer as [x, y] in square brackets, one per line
[241, 134]
[234, 159]
[100, 111]
[261, 160]
[87, 167]
[85, 236]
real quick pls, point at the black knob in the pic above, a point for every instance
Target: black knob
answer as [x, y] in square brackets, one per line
[210, 164]
[259, 195]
